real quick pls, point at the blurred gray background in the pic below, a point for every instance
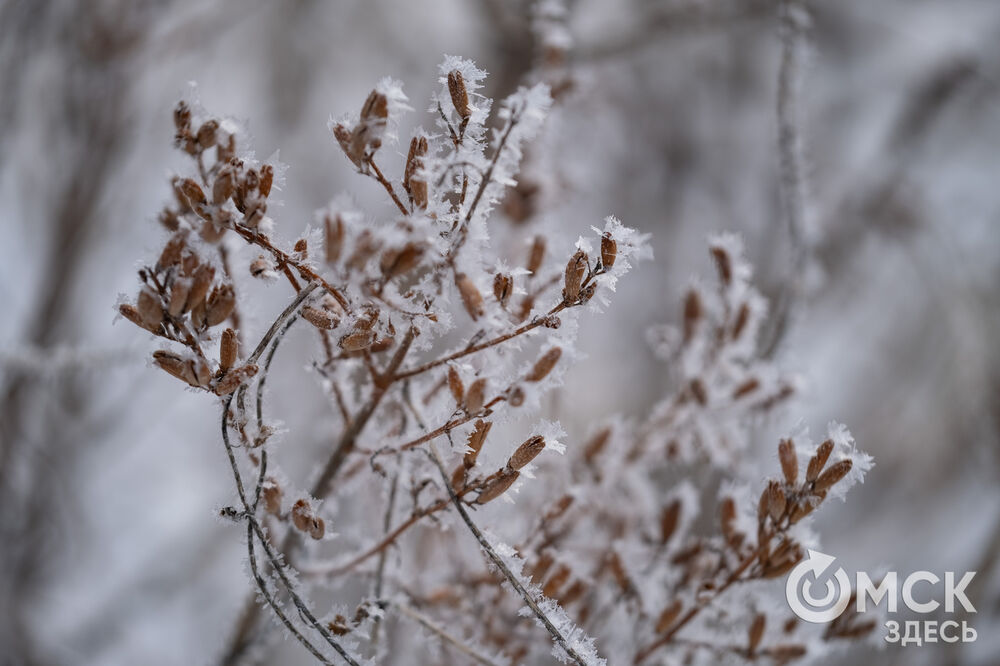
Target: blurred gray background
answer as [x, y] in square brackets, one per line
[110, 551]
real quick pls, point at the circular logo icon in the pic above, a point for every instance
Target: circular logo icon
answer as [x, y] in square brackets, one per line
[833, 594]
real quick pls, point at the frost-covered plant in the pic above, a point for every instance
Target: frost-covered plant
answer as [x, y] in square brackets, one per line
[434, 348]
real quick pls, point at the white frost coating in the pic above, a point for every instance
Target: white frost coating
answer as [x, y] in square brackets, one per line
[845, 448]
[553, 433]
[575, 637]
[396, 98]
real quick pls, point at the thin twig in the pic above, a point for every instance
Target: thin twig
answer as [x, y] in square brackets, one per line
[283, 258]
[262, 586]
[387, 185]
[380, 568]
[538, 321]
[272, 557]
[791, 181]
[514, 581]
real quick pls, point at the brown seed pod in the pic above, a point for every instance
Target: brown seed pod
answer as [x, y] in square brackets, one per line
[220, 305]
[398, 262]
[194, 373]
[317, 528]
[832, 475]
[818, 461]
[131, 313]
[723, 264]
[376, 107]
[193, 193]
[609, 251]
[251, 180]
[357, 340]
[471, 298]
[198, 318]
[172, 253]
[201, 283]
[418, 148]
[271, 493]
[775, 501]
[301, 515]
[742, 317]
[763, 505]
[228, 349]
[692, 313]
[455, 385]
[497, 486]
[150, 310]
[475, 442]
[458, 93]
[367, 136]
[232, 380]
[515, 397]
[746, 388]
[576, 269]
[343, 136]
[727, 516]
[458, 477]
[418, 190]
[527, 452]
[669, 519]
[756, 632]
[596, 444]
[503, 287]
[559, 508]
[476, 396]
[536, 255]
[301, 247]
[266, 180]
[415, 186]
[334, 237]
[260, 266]
[543, 366]
[669, 616]
[207, 134]
[319, 318]
[789, 461]
[182, 117]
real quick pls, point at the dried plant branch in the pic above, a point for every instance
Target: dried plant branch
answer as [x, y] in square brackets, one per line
[402, 289]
